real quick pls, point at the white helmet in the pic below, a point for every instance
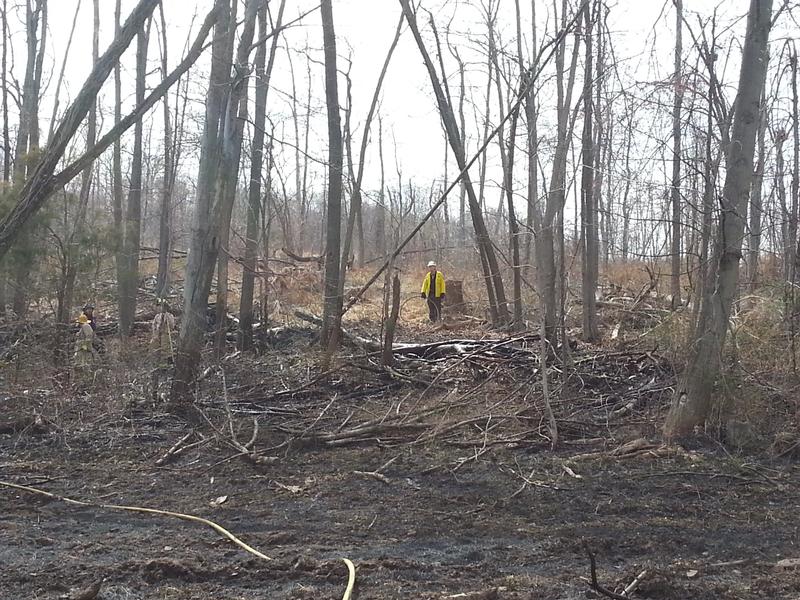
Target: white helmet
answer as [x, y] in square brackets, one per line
[432, 263]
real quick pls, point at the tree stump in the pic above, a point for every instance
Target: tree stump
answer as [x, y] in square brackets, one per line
[454, 298]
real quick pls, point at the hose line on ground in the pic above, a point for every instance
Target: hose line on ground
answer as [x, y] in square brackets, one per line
[351, 580]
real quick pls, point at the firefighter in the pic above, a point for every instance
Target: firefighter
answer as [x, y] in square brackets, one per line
[162, 337]
[85, 354]
[97, 344]
[88, 311]
[434, 292]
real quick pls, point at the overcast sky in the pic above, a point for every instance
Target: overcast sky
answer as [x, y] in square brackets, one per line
[642, 30]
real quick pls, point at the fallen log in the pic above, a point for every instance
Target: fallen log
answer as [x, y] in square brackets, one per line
[498, 349]
[320, 260]
[361, 342]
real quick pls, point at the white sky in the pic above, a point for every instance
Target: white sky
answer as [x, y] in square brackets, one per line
[364, 28]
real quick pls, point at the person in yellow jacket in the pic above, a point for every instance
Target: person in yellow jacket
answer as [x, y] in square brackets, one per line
[434, 293]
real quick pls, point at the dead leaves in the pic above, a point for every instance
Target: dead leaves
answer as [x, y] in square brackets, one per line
[309, 483]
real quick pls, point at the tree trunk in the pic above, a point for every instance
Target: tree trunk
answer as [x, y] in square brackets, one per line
[332, 310]
[780, 192]
[387, 357]
[207, 226]
[624, 203]
[254, 201]
[164, 228]
[603, 135]
[26, 148]
[116, 168]
[532, 220]
[485, 133]
[266, 227]
[675, 191]
[381, 247]
[289, 237]
[37, 77]
[23, 152]
[591, 333]
[304, 198]
[710, 167]
[513, 226]
[64, 62]
[693, 397]
[756, 203]
[795, 159]
[794, 201]
[233, 135]
[544, 239]
[6, 137]
[72, 254]
[129, 284]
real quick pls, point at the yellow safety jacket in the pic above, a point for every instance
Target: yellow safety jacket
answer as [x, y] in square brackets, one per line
[440, 286]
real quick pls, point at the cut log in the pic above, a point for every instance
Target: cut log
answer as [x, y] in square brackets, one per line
[454, 300]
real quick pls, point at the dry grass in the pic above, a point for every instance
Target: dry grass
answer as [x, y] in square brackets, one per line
[631, 276]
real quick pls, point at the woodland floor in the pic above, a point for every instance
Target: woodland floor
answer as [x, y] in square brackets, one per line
[474, 504]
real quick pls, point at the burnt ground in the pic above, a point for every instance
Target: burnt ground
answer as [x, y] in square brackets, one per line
[474, 504]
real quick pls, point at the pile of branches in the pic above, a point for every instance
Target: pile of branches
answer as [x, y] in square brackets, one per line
[470, 393]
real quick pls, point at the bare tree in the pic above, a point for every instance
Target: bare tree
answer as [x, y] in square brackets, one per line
[675, 190]
[627, 174]
[116, 160]
[6, 139]
[208, 219]
[289, 237]
[41, 182]
[332, 310]
[591, 333]
[545, 225]
[237, 116]
[129, 281]
[27, 144]
[795, 157]
[67, 287]
[692, 402]
[28, 118]
[6, 136]
[779, 137]
[756, 201]
[603, 137]
[532, 135]
[168, 177]
[255, 204]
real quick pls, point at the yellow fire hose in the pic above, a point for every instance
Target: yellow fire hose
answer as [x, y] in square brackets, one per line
[351, 569]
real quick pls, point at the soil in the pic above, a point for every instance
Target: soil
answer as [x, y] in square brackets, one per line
[489, 511]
